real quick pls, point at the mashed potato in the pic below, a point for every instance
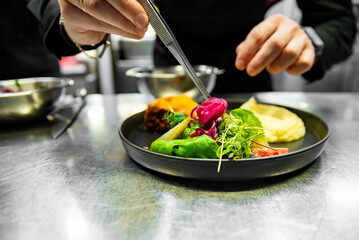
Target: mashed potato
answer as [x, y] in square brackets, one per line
[280, 124]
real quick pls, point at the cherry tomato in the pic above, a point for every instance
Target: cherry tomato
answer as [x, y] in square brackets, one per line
[266, 152]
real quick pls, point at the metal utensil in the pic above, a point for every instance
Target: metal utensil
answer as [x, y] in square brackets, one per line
[167, 37]
[66, 116]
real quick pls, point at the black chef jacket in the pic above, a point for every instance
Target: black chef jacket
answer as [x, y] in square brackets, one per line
[22, 50]
[209, 31]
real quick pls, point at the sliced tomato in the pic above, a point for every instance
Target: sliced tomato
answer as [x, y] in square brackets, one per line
[266, 152]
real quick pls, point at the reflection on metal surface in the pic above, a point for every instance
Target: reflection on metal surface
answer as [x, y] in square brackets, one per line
[64, 116]
[77, 226]
[303, 105]
[70, 161]
[96, 118]
[124, 110]
[88, 188]
[96, 115]
[343, 196]
[170, 215]
[71, 133]
[284, 98]
[139, 108]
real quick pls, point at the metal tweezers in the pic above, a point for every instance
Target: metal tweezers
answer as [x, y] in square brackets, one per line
[167, 37]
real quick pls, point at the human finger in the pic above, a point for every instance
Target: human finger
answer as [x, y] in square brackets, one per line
[132, 10]
[288, 56]
[273, 47]
[254, 41]
[86, 30]
[304, 63]
[107, 13]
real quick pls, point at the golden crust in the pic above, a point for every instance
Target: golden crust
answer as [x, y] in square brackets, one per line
[154, 121]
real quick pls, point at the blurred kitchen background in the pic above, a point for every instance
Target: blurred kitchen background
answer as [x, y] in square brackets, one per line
[108, 74]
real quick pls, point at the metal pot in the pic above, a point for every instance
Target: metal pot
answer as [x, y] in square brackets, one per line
[31, 98]
[168, 81]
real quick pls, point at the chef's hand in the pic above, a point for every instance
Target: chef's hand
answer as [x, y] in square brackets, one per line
[87, 21]
[276, 44]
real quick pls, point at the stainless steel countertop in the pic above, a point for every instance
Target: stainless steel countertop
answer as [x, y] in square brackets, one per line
[84, 186]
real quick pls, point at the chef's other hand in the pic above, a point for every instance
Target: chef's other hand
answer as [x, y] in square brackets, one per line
[87, 21]
[276, 44]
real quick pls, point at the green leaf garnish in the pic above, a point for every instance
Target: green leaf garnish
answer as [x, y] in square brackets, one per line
[236, 133]
[174, 118]
[197, 147]
[18, 84]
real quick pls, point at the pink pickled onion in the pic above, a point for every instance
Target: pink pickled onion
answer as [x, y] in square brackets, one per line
[208, 114]
[209, 110]
[5, 90]
[210, 132]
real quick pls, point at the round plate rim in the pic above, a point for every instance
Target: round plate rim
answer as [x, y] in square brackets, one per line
[226, 160]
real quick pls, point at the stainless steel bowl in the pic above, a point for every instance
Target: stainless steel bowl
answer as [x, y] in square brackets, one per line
[162, 82]
[36, 98]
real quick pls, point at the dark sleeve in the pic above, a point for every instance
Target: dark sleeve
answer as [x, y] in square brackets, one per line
[335, 23]
[55, 37]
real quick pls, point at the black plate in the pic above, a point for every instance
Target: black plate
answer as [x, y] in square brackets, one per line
[302, 152]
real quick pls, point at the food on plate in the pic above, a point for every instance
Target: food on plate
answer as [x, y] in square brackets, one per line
[197, 147]
[176, 131]
[9, 90]
[279, 124]
[5, 90]
[154, 115]
[266, 152]
[212, 133]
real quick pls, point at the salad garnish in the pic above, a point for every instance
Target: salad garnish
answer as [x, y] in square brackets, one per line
[5, 90]
[236, 134]
[18, 84]
[211, 132]
[174, 118]
[208, 114]
[211, 110]
[8, 90]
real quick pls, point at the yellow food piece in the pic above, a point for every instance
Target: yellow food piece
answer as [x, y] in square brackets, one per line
[179, 104]
[280, 124]
[154, 121]
[261, 139]
[175, 132]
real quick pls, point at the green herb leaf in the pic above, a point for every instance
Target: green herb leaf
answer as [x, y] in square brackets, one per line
[18, 84]
[236, 133]
[197, 147]
[174, 118]
[190, 130]
[255, 125]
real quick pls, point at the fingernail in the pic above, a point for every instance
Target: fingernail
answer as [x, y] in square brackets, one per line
[141, 20]
[240, 64]
[140, 35]
[141, 32]
[251, 71]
